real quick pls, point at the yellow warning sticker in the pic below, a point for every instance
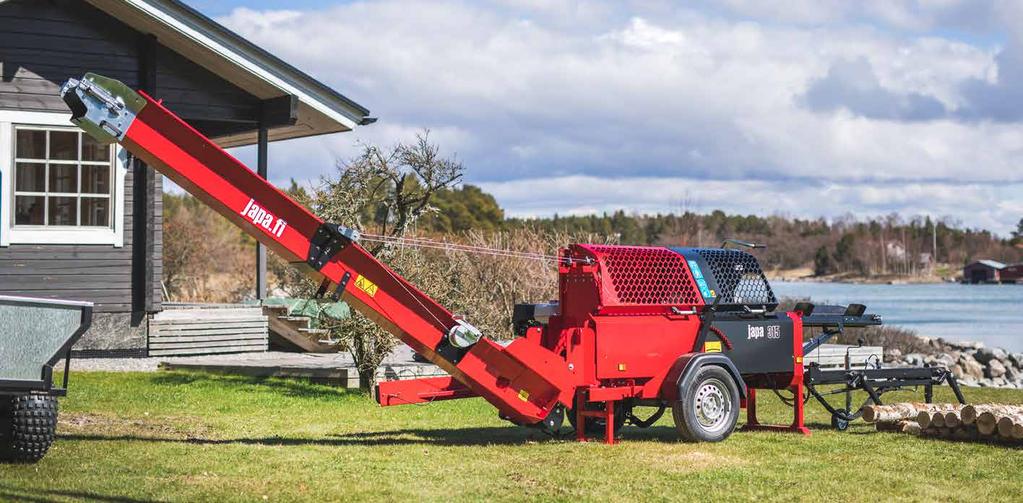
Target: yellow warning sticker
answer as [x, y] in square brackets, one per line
[366, 285]
[712, 347]
[523, 395]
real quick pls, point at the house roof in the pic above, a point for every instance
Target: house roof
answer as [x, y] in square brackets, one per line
[188, 32]
[994, 264]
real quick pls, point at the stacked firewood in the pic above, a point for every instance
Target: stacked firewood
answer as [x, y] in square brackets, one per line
[959, 422]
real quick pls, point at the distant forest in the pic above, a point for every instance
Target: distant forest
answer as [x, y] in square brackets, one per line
[892, 246]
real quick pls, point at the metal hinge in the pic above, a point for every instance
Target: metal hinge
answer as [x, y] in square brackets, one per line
[327, 242]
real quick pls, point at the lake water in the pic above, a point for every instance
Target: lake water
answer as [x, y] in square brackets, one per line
[992, 314]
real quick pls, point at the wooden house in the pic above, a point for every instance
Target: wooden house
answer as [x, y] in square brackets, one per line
[79, 220]
[983, 271]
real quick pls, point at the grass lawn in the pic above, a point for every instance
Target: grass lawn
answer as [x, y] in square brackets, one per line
[177, 436]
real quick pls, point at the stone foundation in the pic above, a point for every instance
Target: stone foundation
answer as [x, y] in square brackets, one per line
[114, 334]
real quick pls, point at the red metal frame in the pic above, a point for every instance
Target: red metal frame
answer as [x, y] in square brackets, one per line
[422, 390]
[627, 314]
[524, 381]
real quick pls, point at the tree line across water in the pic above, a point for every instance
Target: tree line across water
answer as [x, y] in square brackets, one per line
[413, 190]
[890, 245]
[862, 248]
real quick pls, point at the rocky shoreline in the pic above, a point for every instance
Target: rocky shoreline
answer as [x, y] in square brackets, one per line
[973, 363]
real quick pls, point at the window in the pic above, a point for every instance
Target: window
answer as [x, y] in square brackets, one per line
[62, 179]
[57, 185]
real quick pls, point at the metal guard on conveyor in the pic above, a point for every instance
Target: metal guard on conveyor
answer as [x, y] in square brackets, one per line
[524, 381]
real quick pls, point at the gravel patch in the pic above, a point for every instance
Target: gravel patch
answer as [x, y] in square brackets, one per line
[401, 354]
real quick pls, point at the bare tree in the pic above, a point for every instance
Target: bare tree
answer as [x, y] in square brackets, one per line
[385, 192]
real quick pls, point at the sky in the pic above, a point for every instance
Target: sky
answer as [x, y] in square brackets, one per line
[801, 108]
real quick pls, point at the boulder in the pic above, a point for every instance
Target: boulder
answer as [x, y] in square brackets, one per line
[985, 355]
[963, 345]
[971, 368]
[941, 360]
[1017, 360]
[1012, 374]
[892, 355]
[914, 359]
[995, 369]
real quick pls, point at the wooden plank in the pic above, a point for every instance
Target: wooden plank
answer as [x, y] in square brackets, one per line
[207, 319]
[160, 332]
[173, 314]
[164, 329]
[206, 324]
[207, 344]
[65, 43]
[124, 68]
[202, 351]
[287, 335]
[61, 281]
[169, 339]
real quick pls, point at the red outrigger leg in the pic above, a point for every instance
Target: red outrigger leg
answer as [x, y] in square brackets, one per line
[524, 381]
[795, 386]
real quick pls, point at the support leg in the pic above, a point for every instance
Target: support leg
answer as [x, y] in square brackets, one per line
[951, 382]
[751, 408]
[609, 422]
[580, 416]
[798, 424]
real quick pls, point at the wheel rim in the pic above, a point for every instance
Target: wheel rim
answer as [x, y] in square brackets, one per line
[713, 405]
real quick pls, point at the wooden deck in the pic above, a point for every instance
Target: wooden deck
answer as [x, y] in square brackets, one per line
[198, 329]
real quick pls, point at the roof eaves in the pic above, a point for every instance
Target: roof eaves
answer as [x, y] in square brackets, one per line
[318, 92]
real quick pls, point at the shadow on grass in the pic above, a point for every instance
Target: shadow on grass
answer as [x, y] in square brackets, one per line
[411, 436]
[473, 436]
[287, 386]
[47, 495]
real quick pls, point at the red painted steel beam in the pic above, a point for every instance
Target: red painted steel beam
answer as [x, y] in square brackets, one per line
[424, 390]
[524, 381]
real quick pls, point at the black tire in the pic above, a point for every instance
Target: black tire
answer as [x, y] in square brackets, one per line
[27, 428]
[708, 407]
[594, 425]
[839, 420]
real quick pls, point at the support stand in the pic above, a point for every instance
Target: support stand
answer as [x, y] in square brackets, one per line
[797, 426]
[608, 415]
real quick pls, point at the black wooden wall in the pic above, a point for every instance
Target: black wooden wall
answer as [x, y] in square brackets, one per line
[43, 43]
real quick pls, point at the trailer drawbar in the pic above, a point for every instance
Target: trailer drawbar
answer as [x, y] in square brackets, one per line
[693, 330]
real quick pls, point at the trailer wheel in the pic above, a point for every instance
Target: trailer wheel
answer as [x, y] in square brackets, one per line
[708, 407]
[27, 427]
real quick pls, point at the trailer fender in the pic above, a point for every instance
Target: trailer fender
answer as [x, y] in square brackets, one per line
[685, 367]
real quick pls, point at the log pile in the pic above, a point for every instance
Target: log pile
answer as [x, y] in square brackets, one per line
[952, 421]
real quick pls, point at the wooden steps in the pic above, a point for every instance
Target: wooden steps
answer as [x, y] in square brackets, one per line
[197, 329]
[293, 332]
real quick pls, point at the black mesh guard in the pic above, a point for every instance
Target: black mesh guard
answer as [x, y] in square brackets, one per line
[739, 278]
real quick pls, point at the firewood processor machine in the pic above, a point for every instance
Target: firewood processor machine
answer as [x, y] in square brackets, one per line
[693, 330]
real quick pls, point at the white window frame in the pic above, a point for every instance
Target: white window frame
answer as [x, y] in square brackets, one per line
[11, 234]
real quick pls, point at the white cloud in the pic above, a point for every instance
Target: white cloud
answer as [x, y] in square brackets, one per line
[524, 92]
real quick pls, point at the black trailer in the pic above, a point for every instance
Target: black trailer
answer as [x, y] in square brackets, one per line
[35, 334]
[874, 379]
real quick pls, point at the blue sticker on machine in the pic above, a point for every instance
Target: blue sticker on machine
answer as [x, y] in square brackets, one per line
[700, 281]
